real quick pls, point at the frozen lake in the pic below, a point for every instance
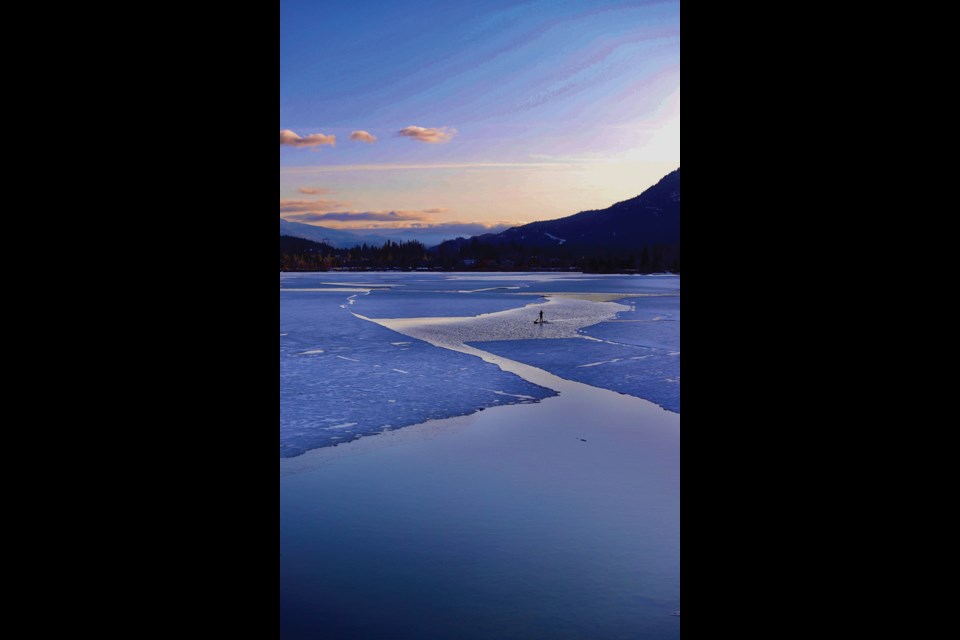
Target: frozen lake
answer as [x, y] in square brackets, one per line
[343, 376]
[407, 513]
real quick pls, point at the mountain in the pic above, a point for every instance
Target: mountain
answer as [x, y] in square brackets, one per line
[430, 236]
[292, 245]
[642, 234]
[652, 218]
[333, 237]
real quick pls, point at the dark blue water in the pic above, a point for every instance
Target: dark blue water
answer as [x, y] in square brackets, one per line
[486, 534]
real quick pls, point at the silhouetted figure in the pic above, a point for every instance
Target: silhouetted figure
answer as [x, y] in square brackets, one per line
[541, 316]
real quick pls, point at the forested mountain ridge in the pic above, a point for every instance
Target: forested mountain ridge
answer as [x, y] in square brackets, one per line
[641, 235]
[652, 218]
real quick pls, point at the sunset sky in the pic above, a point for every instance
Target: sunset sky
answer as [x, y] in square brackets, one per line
[411, 113]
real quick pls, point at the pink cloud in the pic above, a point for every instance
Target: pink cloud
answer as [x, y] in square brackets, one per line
[363, 136]
[358, 216]
[308, 191]
[291, 139]
[306, 206]
[428, 136]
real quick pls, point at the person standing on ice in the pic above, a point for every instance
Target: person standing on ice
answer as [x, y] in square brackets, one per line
[541, 316]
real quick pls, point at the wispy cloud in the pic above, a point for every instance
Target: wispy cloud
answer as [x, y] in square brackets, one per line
[309, 191]
[453, 166]
[359, 216]
[399, 221]
[291, 139]
[310, 206]
[363, 136]
[428, 136]
[437, 210]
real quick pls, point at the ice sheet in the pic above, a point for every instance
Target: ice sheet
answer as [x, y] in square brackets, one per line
[342, 378]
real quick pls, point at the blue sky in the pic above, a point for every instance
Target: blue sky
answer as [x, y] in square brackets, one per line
[473, 112]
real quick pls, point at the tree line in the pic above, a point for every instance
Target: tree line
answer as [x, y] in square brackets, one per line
[475, 254]
[498, 255]
[303, 255]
